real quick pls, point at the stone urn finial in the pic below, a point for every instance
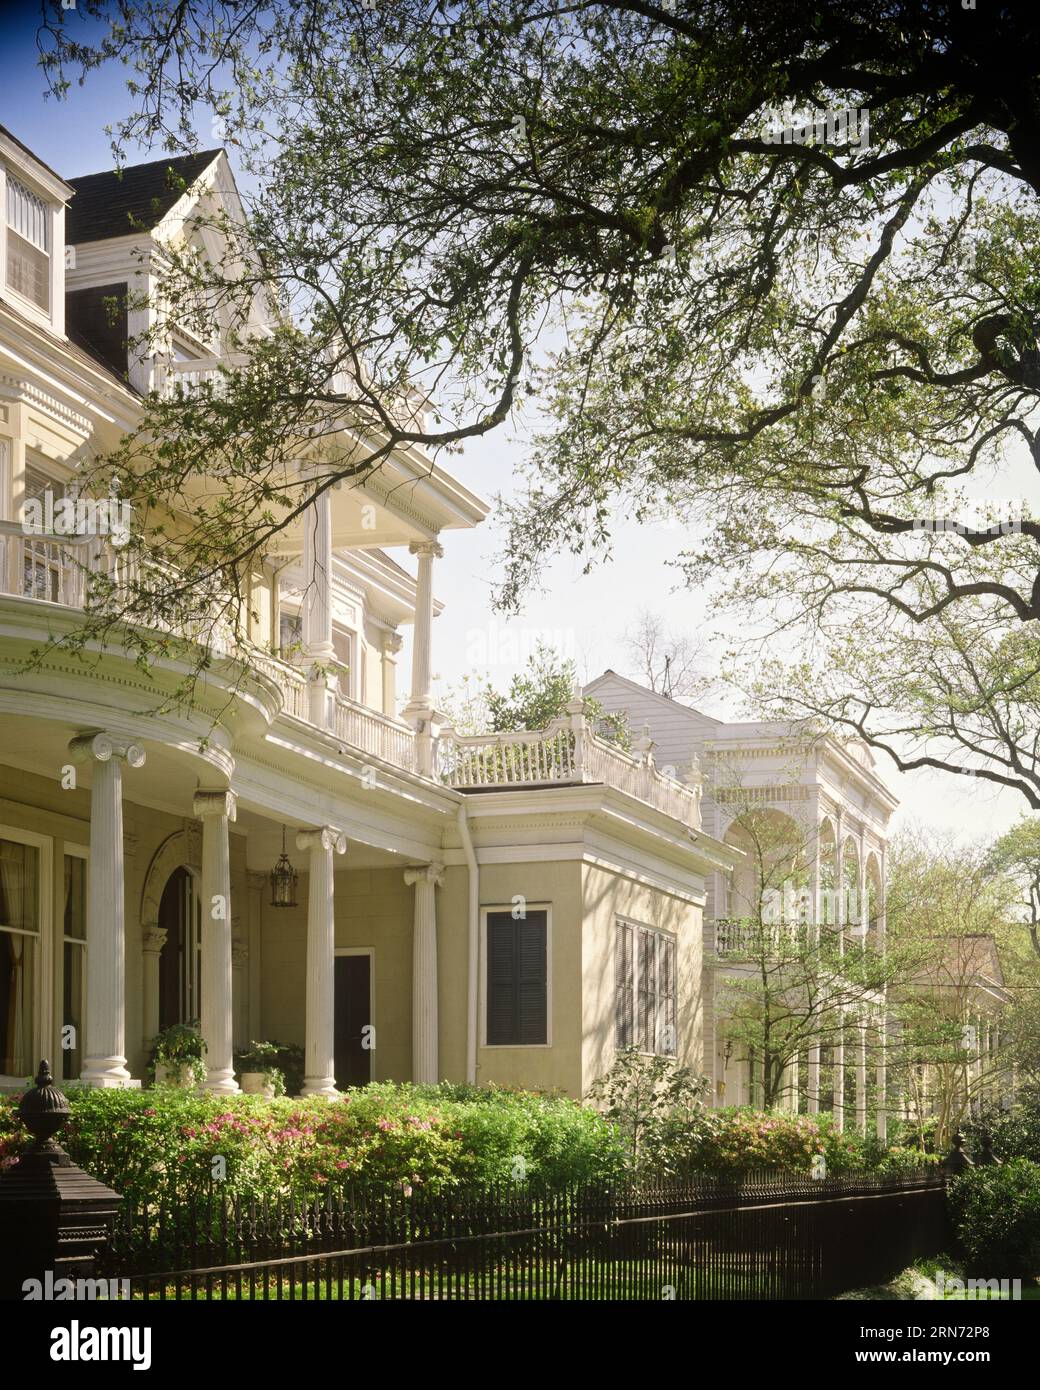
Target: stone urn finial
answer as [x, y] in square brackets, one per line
[44, 1111]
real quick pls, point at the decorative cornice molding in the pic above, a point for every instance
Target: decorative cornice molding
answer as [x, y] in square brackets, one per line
[18, 388]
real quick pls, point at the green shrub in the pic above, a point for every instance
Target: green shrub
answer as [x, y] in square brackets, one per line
[145, 1142]
[996, 1217]
[1014, 1133]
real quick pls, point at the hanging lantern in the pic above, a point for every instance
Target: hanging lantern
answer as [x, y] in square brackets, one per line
[283, 880]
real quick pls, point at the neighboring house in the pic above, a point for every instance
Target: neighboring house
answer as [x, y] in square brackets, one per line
[506, 910]
[824, 796]
[963, 1064]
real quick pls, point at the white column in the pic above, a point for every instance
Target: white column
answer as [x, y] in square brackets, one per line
[861, 1078]
[425, 1059]
[840, 914]
[813, 1060]
[320, 1040]
[317, 605]
[882, 1078]
[153, 939]
[215, 809]
[104, 1051]
[419, 709]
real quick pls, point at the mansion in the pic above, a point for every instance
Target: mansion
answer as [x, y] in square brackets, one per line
[507, 908]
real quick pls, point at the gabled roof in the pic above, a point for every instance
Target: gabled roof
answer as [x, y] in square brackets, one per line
[666, 701]
[118, 202]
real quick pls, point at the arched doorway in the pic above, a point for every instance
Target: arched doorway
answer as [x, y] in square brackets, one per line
[180, 959]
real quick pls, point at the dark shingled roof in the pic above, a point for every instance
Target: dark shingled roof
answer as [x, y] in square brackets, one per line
[116, 204]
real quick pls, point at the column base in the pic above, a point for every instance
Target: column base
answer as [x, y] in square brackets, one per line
[107, 1072]
[220, 1082]
[320, 1086]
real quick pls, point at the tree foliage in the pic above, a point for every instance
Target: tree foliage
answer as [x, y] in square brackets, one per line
[821, 345]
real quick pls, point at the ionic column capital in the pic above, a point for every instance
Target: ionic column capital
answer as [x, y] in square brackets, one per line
[327, 837]
[214, 803]
[101, 747]
[427, 549]
[425, 873]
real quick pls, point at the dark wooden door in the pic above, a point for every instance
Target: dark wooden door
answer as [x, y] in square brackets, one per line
[353, 1006]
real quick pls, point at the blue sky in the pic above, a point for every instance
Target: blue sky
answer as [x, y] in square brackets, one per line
[583, 615]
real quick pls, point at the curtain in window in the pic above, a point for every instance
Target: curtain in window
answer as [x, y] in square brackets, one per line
[18, 909]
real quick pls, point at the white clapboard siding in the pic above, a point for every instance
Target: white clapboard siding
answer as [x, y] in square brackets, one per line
[677, 729]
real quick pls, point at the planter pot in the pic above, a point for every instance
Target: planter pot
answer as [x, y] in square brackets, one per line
[179, 1077]
[255, 1083]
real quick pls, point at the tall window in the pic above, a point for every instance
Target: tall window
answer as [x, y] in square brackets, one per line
[74, 971]
[290, 634]
[180, 961]
[42, 565]
[28, 245]
[645, 989]
[19, 937]
[517, 979]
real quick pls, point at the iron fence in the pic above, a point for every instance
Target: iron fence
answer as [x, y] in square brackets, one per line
[761, 1237]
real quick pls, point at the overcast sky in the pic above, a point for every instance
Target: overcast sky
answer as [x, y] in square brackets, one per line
[585, 616]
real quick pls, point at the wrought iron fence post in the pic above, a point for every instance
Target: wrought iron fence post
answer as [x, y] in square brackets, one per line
[55, 1219]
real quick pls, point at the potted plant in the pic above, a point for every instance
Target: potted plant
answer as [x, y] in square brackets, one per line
[178, 1057]
[257, 1071]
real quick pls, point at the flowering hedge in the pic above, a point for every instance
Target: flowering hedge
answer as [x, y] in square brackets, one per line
[736, 1140]
[143, 1141]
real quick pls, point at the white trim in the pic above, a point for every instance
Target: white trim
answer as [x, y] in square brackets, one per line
[545, 907]
[369, 951]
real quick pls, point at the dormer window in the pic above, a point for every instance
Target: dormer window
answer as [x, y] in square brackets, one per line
[28, 245]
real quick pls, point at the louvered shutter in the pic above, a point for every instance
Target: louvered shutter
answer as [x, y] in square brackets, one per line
[624, 982]
[532, 1013]
[667, 1040]
[517, 1013]
[501, 979]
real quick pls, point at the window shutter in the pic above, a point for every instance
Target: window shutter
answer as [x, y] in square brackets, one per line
[517, 1011]
[666, 1020]
[532, 1014]
[624, 981]
[501, 978]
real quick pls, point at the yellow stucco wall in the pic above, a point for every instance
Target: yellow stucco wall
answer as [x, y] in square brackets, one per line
[607, 896]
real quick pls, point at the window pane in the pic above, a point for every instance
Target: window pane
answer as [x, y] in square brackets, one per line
[28, 271]
[19, 878]
[73, 995]
[75, 897]
[17, 992]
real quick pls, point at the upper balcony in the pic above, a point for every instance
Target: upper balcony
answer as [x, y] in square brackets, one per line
[54, 571]
[566, 752]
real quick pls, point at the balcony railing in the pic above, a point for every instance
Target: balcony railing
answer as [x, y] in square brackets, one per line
[56, 569]
[566, 752]
[740, 937]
